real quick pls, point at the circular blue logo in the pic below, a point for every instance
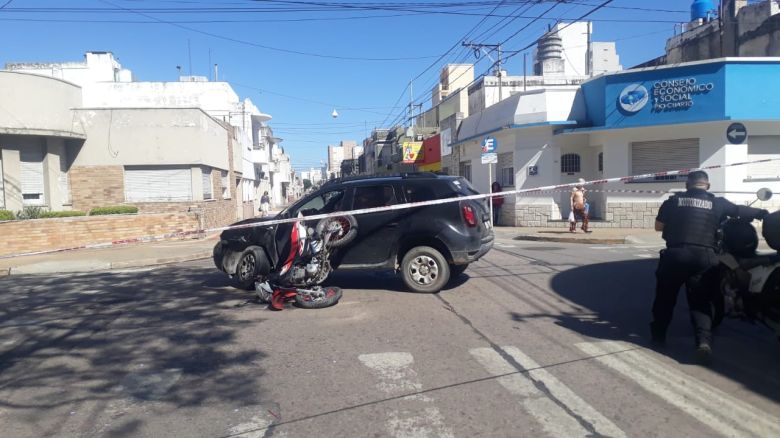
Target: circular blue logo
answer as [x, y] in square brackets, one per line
[633, 98]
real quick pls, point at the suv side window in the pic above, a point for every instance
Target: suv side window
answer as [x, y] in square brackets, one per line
[327, 202]
[374, 196]
[417, 193]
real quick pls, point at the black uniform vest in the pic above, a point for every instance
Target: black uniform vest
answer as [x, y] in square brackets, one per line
[694, 218]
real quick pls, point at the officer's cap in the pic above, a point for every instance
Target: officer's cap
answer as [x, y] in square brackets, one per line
[698, 177]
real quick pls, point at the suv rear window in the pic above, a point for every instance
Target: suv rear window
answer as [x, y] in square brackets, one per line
[425, 191]
[373, 196]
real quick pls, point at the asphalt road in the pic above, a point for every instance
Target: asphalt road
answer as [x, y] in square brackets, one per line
[537, 339]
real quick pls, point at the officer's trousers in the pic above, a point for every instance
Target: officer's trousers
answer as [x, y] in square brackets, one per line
[690, 266]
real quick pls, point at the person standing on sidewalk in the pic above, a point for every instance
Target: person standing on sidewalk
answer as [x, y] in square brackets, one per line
[689, 222]
[579, 208]
[265, 204]
[498, 201]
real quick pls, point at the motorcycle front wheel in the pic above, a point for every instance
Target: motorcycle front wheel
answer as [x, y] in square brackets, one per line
[325, 297]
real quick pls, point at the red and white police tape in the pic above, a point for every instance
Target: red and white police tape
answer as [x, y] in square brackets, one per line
[557, 187]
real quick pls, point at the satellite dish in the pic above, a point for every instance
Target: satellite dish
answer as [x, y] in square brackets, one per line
[334, 114]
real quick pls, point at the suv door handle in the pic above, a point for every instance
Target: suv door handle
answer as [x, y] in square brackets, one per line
[392, 225]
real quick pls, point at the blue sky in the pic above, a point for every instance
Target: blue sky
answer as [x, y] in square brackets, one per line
[301, 90]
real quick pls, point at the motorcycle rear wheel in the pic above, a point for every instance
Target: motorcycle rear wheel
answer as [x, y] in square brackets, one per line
[332, 296]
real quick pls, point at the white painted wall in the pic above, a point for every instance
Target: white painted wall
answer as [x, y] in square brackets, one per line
[37, 105]
[151, 137]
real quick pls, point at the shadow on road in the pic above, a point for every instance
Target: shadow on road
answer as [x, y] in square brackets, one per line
[618, 296]
[107, 341]
[381, 280]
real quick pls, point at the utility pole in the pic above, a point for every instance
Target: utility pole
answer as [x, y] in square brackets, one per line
[412, 106]
[480, 48]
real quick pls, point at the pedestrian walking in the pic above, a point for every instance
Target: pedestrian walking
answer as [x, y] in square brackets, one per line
[498, 201]
[579, 208]
[689, 222]
[265, 204]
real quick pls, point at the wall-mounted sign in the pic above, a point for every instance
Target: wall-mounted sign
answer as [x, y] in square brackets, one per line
[412, 151]
[533, 170]
[633, 98]
[678, 94]
[736, 133]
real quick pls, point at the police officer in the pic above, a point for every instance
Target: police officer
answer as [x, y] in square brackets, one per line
[689, 222]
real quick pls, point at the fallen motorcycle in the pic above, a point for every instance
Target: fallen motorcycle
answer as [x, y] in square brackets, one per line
[749, 281]
[307, 265]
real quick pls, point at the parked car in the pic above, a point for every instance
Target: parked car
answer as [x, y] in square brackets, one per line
[428, 245]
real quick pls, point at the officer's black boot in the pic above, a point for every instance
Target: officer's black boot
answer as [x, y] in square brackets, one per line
[702, 326]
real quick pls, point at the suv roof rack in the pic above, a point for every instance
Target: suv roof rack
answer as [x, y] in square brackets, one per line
[383, 175]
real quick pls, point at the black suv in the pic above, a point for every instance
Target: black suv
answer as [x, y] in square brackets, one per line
[428, 244]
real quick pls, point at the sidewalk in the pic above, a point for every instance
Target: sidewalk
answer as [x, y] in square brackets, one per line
[119, 257]
[602, 236]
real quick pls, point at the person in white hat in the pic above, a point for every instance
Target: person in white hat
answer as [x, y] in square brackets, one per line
[579, 207]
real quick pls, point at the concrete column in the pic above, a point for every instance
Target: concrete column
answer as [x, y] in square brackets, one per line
[12, 178]
[54, 153]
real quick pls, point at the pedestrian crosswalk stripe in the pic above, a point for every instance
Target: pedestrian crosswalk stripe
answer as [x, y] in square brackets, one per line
[553, 418]
[418, 417]
[566, 396]
[725, 414]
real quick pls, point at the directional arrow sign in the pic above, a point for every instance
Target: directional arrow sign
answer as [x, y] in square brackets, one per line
[736, 133]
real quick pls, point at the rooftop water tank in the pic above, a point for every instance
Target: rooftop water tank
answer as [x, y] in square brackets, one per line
[703, 10]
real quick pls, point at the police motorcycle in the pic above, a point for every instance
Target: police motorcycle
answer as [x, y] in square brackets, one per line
[749, 281]
[307, 265]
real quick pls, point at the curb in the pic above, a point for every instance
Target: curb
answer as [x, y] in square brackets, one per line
[115, 265]
[583, 240]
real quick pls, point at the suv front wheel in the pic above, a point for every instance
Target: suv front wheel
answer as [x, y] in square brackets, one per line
[425, 270]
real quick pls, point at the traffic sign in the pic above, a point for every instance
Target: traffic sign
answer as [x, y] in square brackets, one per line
[736, 133]
[489, 144]
[489, 158]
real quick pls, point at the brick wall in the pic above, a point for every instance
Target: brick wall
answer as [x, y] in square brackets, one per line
[43, 234]
[215, 213]
[619, 215]
[96, 186]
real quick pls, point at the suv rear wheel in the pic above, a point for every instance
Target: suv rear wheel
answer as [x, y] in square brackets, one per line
[425, 270]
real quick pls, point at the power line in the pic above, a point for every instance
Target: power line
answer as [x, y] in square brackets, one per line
[263, 46]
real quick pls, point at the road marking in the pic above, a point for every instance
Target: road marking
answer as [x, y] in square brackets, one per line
[551, 416]
[566, 396]
[723, 413]
[419, 417]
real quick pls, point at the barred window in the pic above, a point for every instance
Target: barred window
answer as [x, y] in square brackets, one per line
[508, 177]
[570, 163]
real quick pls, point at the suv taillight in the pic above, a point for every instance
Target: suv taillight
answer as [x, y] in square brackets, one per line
[469, 216]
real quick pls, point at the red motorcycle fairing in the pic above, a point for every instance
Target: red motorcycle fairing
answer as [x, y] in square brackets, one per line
[280, 296]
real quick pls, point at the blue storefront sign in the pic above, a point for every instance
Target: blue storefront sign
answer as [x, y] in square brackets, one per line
[685, 94]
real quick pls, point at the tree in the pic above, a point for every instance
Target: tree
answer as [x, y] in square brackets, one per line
[306, 184]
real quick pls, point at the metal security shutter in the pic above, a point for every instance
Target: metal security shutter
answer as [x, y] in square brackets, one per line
[658, 156]
[759, 148]
[145, 184]
[32, 175]
[208, 190]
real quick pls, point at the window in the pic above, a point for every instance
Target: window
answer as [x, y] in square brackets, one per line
[507, 177]
[465, 170]
[225, 185]
[208, 186]
[658, 156]
[762, 147]
[158, 184]
[570, 163]
[373, 196]
[327, 202]
[601, 161]
[63, 179]
[32, 175]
